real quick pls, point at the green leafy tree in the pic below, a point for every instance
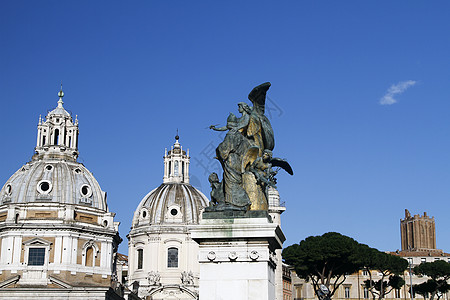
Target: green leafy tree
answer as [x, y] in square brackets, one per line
[388, 265]
[425, 288]
[439, 273]
[325, 259]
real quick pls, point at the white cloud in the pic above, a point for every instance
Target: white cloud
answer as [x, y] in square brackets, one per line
[396, 89]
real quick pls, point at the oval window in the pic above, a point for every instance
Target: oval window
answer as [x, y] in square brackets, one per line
[85, 191]
[8, 190]
[44, 187]
[49, 167]
[144, 214]
[173, 211]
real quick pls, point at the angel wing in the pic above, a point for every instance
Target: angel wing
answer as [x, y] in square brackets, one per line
[258, 96]
[282, 163]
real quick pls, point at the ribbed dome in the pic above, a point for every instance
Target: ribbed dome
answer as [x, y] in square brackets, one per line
[53, 181]
[171, 203]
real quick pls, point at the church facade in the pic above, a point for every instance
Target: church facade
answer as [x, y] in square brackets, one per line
[162, 257]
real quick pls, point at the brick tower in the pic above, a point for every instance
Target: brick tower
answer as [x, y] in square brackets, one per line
[417, 232]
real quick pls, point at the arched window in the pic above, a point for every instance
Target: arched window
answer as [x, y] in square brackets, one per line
[89, 253]
[140, 258]
[170, 168]
[172, 258]
[89, 257]
[56, 137]
[175, 171]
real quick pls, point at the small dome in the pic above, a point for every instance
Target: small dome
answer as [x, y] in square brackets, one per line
[59, 110]
[171, 203]
[53, 181]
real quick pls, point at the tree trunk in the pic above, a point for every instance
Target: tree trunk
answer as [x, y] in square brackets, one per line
[432, 295]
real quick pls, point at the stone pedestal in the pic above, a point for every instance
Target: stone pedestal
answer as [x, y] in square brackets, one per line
[237, 255]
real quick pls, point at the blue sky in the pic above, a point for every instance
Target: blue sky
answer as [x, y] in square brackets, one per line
[136, 71]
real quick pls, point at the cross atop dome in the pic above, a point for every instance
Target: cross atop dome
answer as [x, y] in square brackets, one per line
[176, 164]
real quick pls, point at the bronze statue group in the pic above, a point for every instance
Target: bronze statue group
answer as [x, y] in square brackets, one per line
[246, 158]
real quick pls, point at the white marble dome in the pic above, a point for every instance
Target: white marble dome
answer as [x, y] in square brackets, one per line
[54, 181]
[171, 203]
[54, 175]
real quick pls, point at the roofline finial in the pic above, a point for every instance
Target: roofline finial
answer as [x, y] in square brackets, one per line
[177, 136]
[60, 95]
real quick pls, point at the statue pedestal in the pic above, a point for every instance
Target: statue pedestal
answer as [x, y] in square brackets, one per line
[237, 255]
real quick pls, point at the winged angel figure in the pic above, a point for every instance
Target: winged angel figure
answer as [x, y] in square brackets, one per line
[246, 158]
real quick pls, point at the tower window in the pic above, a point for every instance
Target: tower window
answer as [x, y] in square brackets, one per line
[175, 172]
[36, 256]
[172, 258]
[56, 139]
[170, 168]
[140, 254]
